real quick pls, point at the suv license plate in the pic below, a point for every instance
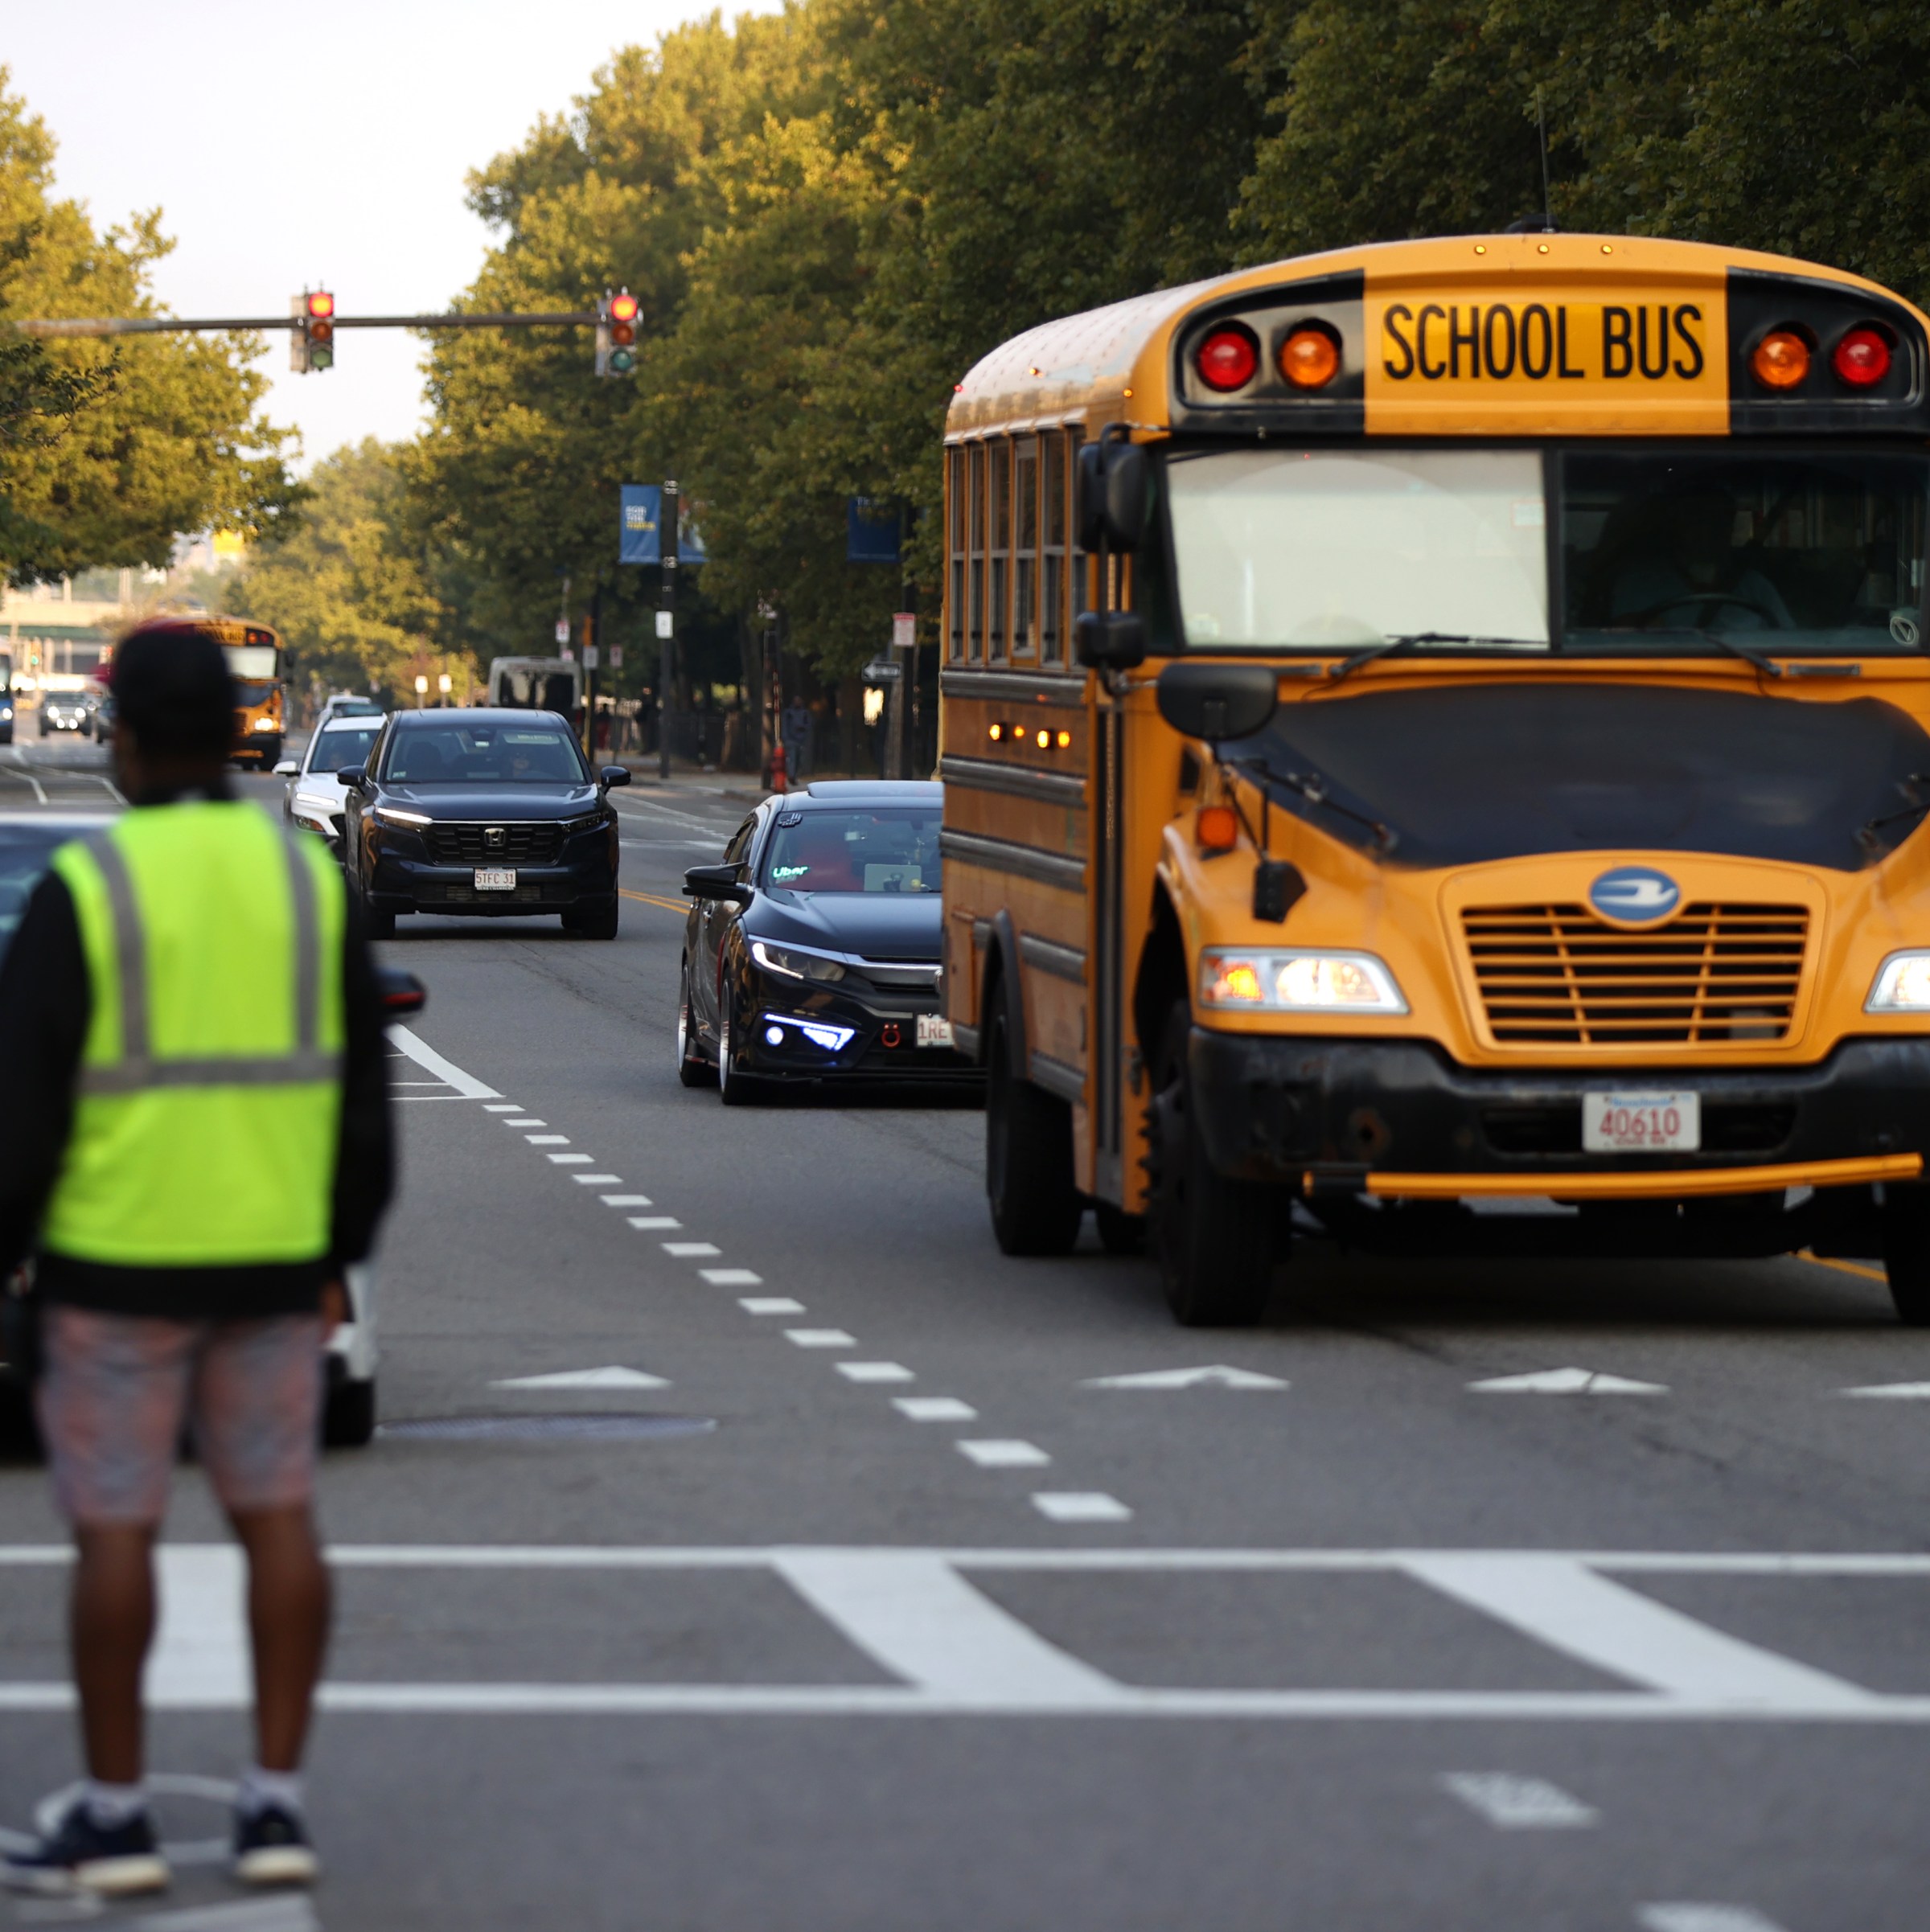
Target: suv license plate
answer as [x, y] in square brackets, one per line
[495, 879]
[934, 1030]
[1641, 1123]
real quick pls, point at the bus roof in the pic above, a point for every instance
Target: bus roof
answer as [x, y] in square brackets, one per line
[1630, 335]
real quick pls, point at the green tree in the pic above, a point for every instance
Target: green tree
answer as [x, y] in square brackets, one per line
[161, 434]
[351, 599]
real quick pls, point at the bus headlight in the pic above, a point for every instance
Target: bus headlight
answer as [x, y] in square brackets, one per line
[266, 724]
[1902, 985]
[1305, 983]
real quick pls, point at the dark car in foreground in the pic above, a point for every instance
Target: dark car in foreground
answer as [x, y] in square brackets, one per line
[482, 813]
[811, 951]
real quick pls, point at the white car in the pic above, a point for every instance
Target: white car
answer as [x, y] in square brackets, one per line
[314, 795]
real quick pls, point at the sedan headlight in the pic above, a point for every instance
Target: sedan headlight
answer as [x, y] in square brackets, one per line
[795, 961]
[1305, 983]
[1902, 985]
[393, 815]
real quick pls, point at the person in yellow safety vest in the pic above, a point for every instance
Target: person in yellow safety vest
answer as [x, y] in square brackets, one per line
[195, 1141]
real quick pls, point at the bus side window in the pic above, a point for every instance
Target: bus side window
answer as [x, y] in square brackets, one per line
[975, 626]
[998, 457]
[1025, 546]
[957, 490]
[1051, 590]
[1081, 598]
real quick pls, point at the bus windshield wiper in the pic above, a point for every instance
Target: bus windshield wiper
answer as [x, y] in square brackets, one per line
[1871, 835]
[1722, 640]
[1410, 640]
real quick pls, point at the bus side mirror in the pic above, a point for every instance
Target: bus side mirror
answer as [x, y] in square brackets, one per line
[1108, 640]
[1217, 701]
[1112, 496]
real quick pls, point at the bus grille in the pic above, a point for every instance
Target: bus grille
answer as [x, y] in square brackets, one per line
[1555, 975]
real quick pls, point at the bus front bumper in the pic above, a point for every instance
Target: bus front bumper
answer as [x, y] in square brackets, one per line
[1399, 1118]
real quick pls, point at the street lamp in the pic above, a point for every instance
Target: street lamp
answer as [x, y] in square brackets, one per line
[421, 691]
[444, 683]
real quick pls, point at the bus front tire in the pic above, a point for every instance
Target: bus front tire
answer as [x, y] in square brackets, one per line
[1213, 1237]
[1036, 1209]
[1906, 1226]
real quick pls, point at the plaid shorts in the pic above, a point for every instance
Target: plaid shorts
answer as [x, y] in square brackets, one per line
[116, 1389]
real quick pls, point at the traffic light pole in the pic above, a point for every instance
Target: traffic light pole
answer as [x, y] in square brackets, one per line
[667, 622]
[168, 325]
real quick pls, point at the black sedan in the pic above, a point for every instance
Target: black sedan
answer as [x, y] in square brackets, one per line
[811, 953]
[482, 813]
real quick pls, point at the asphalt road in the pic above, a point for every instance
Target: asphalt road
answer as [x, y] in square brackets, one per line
[883, 1611]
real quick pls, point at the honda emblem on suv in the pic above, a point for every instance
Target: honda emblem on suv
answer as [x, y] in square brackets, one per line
[495, 838]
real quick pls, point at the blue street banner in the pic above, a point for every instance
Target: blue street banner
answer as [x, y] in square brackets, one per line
[640, 528]
[870, 530]
[639, 532]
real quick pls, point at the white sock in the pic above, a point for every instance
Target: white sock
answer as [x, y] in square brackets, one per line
[110, 1806]
[259, 1788]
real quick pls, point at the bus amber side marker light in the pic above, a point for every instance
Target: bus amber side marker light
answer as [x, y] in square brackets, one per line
[1780, 359]
[1218, 829]
[1862, 357]
[1309, 359]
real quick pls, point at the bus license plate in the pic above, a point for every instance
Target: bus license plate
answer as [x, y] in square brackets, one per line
[934, 1030]
[495, 879]
[1641, 1123]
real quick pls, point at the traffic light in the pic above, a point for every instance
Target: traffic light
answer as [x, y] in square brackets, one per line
[616, 333]
[312, 340]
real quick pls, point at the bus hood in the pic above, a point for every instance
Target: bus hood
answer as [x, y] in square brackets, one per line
[1461, 774]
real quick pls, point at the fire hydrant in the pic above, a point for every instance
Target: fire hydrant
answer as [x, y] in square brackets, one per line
[776, 768]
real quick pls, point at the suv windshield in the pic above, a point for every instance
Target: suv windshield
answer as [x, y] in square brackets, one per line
[1319, 550]
[855, 851]
[484, 754]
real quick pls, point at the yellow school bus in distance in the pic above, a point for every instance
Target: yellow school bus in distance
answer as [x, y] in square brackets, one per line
[1437, 739]
[254, 663]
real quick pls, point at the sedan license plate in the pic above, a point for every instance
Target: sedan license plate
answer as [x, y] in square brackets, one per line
[495, 879]
[1641, 1123]
[934, 1030]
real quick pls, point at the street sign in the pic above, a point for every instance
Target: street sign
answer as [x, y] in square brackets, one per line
[905, 630]
[591, 653]
[879, 671]
[616, 656]
[666, 623]
[562, 630]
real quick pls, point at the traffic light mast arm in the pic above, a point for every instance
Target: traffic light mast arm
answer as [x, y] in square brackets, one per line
[168, 325]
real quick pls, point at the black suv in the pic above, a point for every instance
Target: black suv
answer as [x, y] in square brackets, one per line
[482, 813]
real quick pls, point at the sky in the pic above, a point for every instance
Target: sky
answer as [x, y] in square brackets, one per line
[292, 145]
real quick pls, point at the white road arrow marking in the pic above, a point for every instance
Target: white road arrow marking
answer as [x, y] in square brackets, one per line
[1894, 1392]
[586, 1378]
[1566, 1381]
[1218, 1376]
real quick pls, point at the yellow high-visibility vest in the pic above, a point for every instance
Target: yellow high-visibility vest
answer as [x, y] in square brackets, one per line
[210, 1091]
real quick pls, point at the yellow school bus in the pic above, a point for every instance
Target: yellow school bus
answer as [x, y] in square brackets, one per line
[254, 663]
[1436, 740]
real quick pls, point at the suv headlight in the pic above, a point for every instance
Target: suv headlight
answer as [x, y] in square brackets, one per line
[795, 961]
[1234, 979]
[393, 815]
[1902, 985]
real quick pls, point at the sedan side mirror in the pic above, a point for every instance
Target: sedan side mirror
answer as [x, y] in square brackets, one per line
[354, 777]
[614, 774]
[401, 993]
[716, 882]
[287, 768]
[1217, 701]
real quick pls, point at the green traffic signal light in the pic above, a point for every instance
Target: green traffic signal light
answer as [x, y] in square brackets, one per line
[621, 361]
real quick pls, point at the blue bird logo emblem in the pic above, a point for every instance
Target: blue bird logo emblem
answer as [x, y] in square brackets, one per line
[1635, 895]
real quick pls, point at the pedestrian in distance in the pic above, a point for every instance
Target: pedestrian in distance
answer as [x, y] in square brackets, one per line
[194, 1141]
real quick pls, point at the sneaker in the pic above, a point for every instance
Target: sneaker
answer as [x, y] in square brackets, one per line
[80, 1856]
[272, 1848]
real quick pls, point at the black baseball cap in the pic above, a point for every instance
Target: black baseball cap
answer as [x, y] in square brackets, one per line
[171, 689]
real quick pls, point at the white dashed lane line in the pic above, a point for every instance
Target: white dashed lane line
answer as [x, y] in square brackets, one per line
[1057, 1506]
[1689, 1918]
[1513, 1802]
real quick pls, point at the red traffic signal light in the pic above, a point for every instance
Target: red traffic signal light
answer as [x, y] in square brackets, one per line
[616, 317]
[624, 308]
[321, 304]
[311, 346]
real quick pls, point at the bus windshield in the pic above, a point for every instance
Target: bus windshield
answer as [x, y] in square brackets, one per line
[1660, 549]
[253, 663]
